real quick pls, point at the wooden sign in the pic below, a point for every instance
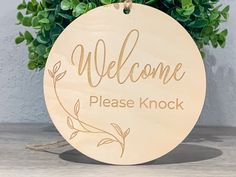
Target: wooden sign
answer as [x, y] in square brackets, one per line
[124, 88]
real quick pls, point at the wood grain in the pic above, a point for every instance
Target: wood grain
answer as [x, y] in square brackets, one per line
[124, 88]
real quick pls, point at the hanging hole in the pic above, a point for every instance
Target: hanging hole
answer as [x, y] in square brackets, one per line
[126, 10]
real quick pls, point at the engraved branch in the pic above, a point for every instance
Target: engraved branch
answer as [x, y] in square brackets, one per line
[79, 126]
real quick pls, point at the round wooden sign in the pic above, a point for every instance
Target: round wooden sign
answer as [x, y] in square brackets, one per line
[124, 88]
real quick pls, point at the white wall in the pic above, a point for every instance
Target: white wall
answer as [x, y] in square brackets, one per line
[21, 91]
[220, 64]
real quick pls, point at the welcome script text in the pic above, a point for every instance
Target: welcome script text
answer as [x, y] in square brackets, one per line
[95, 67]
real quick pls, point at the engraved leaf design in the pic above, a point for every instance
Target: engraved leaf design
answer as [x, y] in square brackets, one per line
[105, 141]
[56, 67]
[127, 132]
[117, 128]
[70, 123]
[74, 134]
[77, 107]
[60, 76]
[50, 73]
[86, 127]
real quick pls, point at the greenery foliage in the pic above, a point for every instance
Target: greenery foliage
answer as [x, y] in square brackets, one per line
[48, 18]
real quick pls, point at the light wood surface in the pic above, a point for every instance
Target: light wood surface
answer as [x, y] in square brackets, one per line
[124, 88]
[207, 152]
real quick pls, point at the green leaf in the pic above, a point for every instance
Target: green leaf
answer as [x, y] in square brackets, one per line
[19, 39]
[106, 1]
[32, 55]
[46, 55]
[51, 18]
[47, 27]
[20, 16]
[214, 41]
[21, 6]
[74, 3]
[222, 38]
[28, 36]
[186, 3]
[66, 5]
[26, 21]
[31, 7]
[170, 1]
[214, 16]
[186, 11]
[199, 11]
[32, 65]
[43, 40]
[225, 12]
[43, 14]
[34, 2]
[207, 31]
[80, 9]
[179, 17]
[91, 5]
[198, 23]
[35, 22]
[224, 32]
[221, 41]
[44, 20]
[66, 16]
[41, 49]
[149, 2]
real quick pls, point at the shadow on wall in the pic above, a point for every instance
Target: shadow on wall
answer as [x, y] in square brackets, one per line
[220, 103]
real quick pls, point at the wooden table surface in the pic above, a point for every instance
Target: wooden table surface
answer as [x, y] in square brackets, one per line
[207, 152]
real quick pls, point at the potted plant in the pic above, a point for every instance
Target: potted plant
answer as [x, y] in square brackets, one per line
[48, 18]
